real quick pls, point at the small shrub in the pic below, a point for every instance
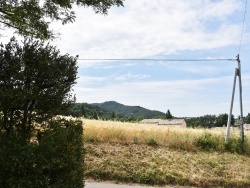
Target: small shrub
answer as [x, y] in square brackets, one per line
[234, 145]
[135, 140]
[151, 142]
[207, 142]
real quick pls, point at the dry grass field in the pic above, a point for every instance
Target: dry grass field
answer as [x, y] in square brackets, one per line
[159, 155]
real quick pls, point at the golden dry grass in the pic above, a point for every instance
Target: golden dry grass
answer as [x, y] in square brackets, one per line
[135, 133]
[158, 155]
[160, 166]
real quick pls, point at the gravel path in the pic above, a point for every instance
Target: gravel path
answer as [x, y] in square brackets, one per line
[109, 185]
[112, 185]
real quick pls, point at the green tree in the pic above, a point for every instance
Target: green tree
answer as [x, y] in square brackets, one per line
[169, 115]
[140, 118]
[95, 115]
[247, 119]
[33, 17]
[131, 118]
[193, 122]
[222, 119]
[207, 121]
[113, 115]
[36, 84]
[82, 110]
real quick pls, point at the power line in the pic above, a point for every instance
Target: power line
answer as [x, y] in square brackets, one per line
[243, 25]
[134, 59]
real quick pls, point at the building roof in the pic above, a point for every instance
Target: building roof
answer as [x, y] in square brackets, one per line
[171, 122]
[247, 127]
[156, 121]
[164, 121]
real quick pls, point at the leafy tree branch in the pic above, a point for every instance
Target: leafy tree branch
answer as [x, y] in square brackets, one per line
[33, 17]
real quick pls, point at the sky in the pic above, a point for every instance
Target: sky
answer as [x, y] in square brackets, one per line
[160, 29]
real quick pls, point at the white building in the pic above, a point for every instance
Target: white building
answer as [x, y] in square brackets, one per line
[167, 122]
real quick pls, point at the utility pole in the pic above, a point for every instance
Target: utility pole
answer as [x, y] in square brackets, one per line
[241, 105]
[236, 74]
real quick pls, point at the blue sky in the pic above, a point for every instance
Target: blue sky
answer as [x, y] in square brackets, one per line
[161, 29]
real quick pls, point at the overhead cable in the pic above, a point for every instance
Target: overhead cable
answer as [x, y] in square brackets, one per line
[243, 25]
[151, 59]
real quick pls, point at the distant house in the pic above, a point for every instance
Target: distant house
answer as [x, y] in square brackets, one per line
[173, 122]
[247, 127]
[150, 121]
[167, 122]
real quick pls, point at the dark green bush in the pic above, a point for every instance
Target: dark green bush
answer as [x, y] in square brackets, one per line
[234, 145]
[55, 161]
[208, 142]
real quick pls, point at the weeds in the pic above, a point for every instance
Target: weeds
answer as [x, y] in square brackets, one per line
[160, 166]
[234, 145]
[152, 135]
[151, 142]
[208, 142]
[154, 155]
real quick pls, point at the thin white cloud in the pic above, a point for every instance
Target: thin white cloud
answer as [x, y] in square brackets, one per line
[147, 28]
[84, 81]
[130, 76]
[114, 65]
[103, 64]
[205, 70]
[219, 10]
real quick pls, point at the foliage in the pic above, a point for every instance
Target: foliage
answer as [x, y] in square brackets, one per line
[207, 142]
[160, 156]
[222, 119]
[112, 111]
[164, 136]
[164, 167]
[131, 118]
[126, 111]
[55, 161]
[209, 121]
[32, 18]
[113, 115]
[87, 111]
[35, 84]
[95, 116]
[234, 145]
[151, 142]
[140, 118]
[169, 115]
[247, 119]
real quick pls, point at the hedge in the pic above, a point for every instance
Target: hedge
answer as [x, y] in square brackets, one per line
[55, 160]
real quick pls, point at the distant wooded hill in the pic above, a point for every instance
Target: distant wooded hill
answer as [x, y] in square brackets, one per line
[125, 110]
[113, 110]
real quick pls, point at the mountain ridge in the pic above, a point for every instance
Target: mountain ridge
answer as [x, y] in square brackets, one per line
[126, 110]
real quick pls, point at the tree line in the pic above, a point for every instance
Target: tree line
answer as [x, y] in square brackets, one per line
[209, 121]
[91, 111]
